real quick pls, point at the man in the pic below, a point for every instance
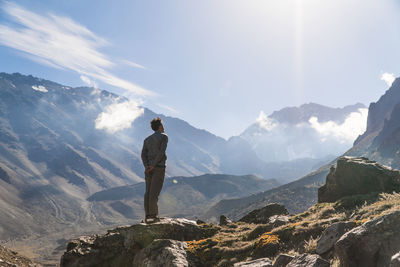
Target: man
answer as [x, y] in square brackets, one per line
[154, 158]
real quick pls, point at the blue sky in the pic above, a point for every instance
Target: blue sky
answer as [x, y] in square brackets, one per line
[215, 64]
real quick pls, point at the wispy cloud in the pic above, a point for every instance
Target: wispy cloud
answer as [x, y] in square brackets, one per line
[118, 116]
[388, 78]
[166, 107]
[61, 42]
[132, 64]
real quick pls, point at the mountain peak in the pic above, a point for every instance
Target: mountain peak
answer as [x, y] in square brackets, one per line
[296, 115]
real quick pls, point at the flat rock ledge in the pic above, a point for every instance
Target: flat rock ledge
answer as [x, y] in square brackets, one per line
[118, 247]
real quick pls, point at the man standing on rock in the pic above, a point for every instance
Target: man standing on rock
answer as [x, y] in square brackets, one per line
[154, 158]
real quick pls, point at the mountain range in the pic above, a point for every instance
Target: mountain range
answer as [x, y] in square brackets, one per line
[53, 159]
[309, 131]
[379, 142]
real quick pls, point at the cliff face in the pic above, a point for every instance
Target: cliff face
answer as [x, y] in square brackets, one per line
[381, 110]
[378, 114]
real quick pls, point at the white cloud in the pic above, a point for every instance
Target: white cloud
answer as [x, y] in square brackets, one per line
[60, 42]
[118, 116]
[40, 88]
[266, 122]
[388, 78]
[88, 81]
[354, 125]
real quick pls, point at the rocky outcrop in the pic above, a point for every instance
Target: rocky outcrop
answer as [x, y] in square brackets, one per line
[308, 260]
[223, 220]
[120, 246]
[332, 234]
[263, 262]
[371, 244]
[262, 215]
[357, 176]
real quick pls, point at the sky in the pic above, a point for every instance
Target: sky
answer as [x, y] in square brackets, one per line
[215, 64]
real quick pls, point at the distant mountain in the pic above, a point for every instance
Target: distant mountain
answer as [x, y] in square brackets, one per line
[181, 196]
[297, 196]
[379, 142]
[310, 131]
[303, 113]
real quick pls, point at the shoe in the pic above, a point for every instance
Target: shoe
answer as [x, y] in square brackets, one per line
[151, 219]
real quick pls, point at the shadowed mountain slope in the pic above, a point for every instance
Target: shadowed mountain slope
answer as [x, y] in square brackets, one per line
[181, 196]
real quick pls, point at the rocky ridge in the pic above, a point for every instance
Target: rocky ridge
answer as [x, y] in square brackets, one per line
[327, 234]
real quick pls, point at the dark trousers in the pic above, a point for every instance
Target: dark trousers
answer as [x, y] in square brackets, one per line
[154, 183]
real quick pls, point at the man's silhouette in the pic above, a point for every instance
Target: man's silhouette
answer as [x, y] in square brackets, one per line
[154, 158]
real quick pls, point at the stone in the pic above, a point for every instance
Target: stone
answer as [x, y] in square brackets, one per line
[119, 246]
[262, 215]
[263, 262]
[371, 244]
[198, 221]
[278, 220]
[308, 260]
[332, 234]
[395, 260]
[223, 220]
[282, 260]
[162, 252]
[357, 176]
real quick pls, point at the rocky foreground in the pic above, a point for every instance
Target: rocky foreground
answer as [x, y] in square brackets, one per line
[9, 258]
[359, 226]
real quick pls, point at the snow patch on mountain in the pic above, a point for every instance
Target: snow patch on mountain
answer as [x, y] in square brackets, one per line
[40, 88]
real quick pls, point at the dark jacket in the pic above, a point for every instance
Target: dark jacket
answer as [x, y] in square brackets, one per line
[153, 151]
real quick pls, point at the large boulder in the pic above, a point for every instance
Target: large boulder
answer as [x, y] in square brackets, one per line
[262, 215]
[119, 246]
[308, 260]
[332, 234]
[371, 244]
[358, 176]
